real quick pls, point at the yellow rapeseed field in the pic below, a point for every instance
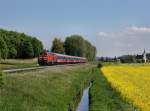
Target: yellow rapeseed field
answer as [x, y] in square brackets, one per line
[133, 81]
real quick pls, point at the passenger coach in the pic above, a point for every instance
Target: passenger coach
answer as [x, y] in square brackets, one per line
[49, 58]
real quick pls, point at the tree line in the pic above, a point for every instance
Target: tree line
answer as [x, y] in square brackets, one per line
[126, 59]
[74, 45]
[18, 45]
[134, 58]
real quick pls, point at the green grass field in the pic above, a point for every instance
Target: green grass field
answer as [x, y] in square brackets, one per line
[52, 89]
[17, 63]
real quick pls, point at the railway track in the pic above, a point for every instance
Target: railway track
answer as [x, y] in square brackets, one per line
[22, 69]
[33, 68]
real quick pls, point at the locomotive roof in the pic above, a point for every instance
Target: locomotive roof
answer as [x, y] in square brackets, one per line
[64, 55]
[67, 55]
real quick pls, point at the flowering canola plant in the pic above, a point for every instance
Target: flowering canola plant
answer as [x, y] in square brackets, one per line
[132, 81]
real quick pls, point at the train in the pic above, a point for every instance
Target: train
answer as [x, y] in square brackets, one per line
[50, 58]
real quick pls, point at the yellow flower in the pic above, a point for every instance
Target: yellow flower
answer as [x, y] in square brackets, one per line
[133, 81]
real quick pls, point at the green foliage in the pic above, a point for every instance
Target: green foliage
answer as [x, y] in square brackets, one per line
[75, 45]
[99, 65]
[139, 61]
[58, 46]
[3, 48]
[27, 50]
[128, 59]
[37, 47]
[134, 58]
[90, 51]
[12, 52]
[12, 45]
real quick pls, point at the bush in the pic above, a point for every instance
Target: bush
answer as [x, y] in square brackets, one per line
[99, 65]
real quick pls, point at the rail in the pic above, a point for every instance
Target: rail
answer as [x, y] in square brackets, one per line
[21, 69]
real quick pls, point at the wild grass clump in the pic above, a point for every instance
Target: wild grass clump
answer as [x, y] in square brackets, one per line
[1, 82]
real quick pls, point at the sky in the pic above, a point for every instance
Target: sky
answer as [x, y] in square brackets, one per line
[115, 27]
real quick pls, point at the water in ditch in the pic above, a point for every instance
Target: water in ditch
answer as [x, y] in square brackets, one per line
[84, 103]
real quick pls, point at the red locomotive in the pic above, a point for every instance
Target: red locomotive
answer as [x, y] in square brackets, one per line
[49, 58]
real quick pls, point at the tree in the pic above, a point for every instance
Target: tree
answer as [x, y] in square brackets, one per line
[58, 46]
[75, 45]
[15, 42]
[128, 59]
[3, 49]
[27, 51]
[12, 52]
[37, 47]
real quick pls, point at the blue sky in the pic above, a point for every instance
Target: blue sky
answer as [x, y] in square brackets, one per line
[115, 27]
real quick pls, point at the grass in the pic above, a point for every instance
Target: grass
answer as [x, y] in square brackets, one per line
[17, 63]
[52, 89]
[1, 82]
[132, 81]
[105, 98]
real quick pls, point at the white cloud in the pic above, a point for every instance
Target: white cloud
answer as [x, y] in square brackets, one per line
[127, 41]
[132, 31]
[102, 34]
[139, 29]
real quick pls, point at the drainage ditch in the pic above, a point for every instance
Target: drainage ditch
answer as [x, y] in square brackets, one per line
[84, 103]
